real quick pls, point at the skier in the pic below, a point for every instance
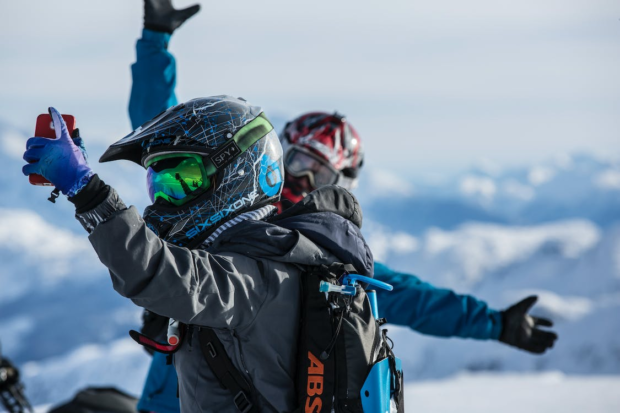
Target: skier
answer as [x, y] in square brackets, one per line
[413, 303]
[209, 259]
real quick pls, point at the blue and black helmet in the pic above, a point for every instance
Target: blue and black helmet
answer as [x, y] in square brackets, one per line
[208, 160]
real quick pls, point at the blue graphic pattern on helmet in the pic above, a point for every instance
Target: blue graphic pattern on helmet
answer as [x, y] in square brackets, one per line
[270, 177]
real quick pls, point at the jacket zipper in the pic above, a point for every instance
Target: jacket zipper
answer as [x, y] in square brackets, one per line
[241, 358]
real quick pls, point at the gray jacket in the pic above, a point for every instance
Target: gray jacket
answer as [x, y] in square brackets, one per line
[246, 286]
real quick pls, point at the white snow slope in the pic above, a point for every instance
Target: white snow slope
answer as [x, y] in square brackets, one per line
[515, 393]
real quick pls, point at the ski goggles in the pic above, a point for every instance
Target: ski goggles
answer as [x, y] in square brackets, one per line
[177, 178]
[301, 162]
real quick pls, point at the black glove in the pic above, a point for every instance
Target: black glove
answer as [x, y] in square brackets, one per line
[160, 16]
[521, 329]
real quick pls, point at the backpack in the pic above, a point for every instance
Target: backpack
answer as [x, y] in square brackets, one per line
[342, 350]
[345, 362]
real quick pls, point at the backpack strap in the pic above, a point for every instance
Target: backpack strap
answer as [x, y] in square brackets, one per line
[225, 371]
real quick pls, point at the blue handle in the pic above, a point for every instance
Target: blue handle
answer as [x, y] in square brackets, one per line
[372, 297]
[350, 279]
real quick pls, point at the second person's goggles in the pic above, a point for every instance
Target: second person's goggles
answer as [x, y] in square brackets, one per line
[301, 162]
[177, 178]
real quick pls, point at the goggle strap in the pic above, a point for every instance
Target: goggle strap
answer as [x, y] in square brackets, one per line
[246, 137]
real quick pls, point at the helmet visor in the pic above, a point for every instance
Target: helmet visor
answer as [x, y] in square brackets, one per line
[299, 162]
[176, 178]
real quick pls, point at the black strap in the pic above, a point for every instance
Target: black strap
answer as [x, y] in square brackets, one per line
[225, 371]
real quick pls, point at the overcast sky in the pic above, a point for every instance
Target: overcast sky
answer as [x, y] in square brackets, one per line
[432, 86]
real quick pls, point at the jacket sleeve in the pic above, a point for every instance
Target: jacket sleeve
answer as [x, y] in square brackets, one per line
[154, 78]
[192, 286]
[434, 311]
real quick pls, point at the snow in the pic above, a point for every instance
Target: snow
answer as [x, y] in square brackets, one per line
[120, 363]
[476, 248]
[12, 142]
[573, 268]
[540, 175]
[386, 183]
[384, 242]
[514, 188]
[482, 186]
[609, 179]
[556, 307]
[515, 393]
[13, 329]
[38, 253]
[26, 232]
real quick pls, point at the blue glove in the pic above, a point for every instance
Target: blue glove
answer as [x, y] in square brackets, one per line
[58, 160]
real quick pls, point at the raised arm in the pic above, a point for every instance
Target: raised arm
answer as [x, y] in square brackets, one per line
[435, 311]
[444, 313]
[154, 77]
[154, 72]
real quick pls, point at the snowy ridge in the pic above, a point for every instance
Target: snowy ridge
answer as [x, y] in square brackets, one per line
[573, 266]
[579, 186]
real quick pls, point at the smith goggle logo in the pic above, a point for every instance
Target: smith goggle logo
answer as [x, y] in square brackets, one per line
[218, 216]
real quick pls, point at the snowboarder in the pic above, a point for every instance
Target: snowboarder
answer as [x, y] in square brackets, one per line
[437, 311]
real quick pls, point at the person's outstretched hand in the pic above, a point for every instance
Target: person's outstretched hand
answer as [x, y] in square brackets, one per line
[523, 331]
[59, 160]
[160, 16]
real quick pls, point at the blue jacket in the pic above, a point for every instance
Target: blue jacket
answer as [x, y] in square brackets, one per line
[413, 303]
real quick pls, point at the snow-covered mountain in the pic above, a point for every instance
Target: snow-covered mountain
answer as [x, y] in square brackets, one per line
[552, 230]
[579, 186]
[573, 266]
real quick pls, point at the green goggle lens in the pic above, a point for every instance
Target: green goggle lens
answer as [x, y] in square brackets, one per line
[176, 178]
[179, 178]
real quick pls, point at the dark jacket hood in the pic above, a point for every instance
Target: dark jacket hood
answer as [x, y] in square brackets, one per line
[321, 229]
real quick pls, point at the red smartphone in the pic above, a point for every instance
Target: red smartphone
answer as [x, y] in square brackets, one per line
[45, 129]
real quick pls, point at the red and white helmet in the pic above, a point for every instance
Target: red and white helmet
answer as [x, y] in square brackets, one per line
[319, 149]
